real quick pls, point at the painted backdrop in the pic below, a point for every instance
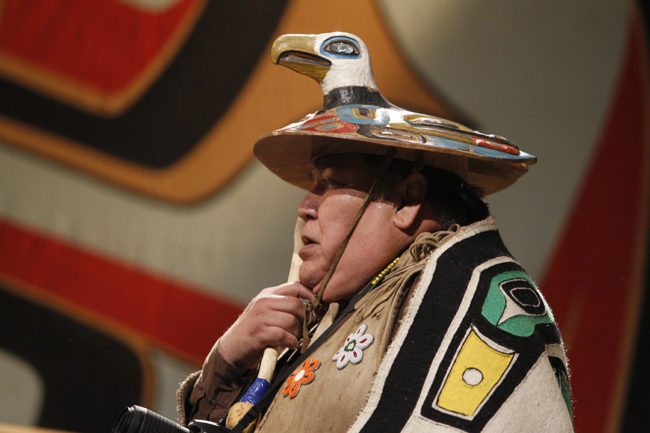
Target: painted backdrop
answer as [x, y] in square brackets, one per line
[134, 223]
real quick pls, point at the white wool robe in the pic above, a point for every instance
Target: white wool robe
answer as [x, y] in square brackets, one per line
[476, 350]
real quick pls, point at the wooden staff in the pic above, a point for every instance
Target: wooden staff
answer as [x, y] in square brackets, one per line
[270, 355]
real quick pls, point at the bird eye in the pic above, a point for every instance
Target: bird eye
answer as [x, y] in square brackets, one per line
[342, 47]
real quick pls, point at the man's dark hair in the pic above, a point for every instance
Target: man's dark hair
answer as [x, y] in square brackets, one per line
[456, 200]
[453, 199]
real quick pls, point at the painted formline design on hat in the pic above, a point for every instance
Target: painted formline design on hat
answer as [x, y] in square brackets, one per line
[356, 118]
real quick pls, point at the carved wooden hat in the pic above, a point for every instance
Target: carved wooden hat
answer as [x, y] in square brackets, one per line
[356, 118]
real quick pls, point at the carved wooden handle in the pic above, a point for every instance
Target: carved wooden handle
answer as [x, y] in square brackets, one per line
[267, 365]
[270, 355]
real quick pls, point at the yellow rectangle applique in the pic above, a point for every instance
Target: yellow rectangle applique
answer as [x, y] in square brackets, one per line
[477, 369]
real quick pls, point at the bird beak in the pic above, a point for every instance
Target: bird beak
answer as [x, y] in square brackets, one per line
[297, 52]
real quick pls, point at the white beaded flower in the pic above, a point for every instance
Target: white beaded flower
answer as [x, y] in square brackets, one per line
[352, 350]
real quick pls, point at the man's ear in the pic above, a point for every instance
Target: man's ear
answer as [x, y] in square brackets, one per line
[412, 191]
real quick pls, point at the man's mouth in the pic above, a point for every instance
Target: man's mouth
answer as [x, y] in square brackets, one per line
[305, 252]
[309, 242]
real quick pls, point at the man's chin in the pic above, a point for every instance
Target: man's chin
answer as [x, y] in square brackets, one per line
[337, 289]
[311, 280]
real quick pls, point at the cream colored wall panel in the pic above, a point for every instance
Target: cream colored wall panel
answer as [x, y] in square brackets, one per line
[540, 73]
[234, 244]
[21, 390]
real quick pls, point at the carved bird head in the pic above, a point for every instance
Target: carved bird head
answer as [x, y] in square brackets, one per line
[356, 118]
[335, 60]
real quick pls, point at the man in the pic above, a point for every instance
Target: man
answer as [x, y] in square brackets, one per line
[423, 321]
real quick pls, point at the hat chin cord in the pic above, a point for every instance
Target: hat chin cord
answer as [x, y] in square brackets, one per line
[270, 355]
[315, 303]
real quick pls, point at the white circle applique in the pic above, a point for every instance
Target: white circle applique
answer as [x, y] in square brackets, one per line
[472, 376]
[352, 350]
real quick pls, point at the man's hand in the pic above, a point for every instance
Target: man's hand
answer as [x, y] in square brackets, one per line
[273, 318]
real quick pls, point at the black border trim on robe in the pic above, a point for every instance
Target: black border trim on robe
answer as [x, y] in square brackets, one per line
[528, 350]
[410, 368]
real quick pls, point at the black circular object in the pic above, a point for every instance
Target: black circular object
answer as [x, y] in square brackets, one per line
[137, 419]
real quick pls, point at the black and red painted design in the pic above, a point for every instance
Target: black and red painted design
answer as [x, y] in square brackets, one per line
[85, 323]
[127, 93]
[163, 100]
[580, 284]
[75, 358]
[614, 195]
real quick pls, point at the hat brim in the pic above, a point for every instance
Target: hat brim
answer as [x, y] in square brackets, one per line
[490, 165]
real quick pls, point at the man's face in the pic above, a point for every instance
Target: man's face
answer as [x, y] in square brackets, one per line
[340, 186]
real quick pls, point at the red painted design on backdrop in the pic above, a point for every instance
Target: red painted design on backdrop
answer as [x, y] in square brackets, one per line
[101, 43]
[595, 275]
[162, 311]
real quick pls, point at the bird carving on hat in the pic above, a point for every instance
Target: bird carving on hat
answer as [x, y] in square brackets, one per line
[357, 118]
[338, 61]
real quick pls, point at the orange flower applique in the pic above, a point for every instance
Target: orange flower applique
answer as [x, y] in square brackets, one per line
[302, 375]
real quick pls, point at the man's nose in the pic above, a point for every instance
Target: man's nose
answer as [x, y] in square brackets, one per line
[308, 209]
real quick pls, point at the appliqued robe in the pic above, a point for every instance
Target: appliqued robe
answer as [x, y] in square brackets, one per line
[475, 349]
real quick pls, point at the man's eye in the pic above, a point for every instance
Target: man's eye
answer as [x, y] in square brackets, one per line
[330, 183]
